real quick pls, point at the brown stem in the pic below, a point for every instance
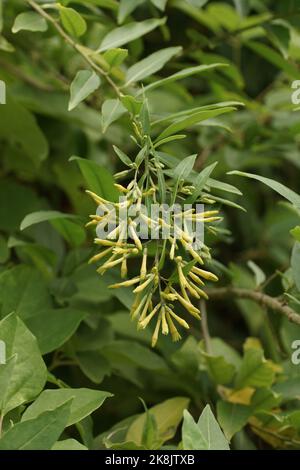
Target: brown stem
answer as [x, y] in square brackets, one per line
[259, 297]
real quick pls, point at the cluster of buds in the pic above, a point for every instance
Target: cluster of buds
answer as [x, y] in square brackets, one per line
[155, 295]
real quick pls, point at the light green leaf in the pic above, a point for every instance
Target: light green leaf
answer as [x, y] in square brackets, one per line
[288, 194]
[255, 371]
[260, 276]
[69, 444]
[29, 21]
[200, 182]
[72, 21]
[122, 156]
[115, 57]
[29, 371]
[132, 105]
[160, 4]
[167, 416]
[39, 433]
[184, 168]
[295, 232]
[98, 178]
[181, 75]
[84, 402]
[111, 111]
[204, 435]
[85, 83]
[191, 120]
[150, 64]
[131, 31]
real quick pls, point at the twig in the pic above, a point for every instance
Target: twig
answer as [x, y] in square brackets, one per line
[259, 297]
[204, 326]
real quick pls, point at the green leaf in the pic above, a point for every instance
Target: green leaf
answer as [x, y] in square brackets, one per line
[295, 263]
[200, 182]
[22, 289]
[204, 435]
[122, 156]
[69, 444]
[29, 21]
[221, 371]
[131, 31]
[72, 232]
[4, 250]
[93, 365]
[115, 57]
[111, 111]
[167, 416]
[150, 64]
[85, 83]
[52, 328]
[288, 194]
[160, 4]
[255, 371]
[29, 371]
[192, 120]
[132, 105]
[279, 34]
[181, 75]
[72, 21]
[295, 232]
[98, 178]
[39, 433]
[125, 8]
[84, 402]
[184, 168]
[6, 376]
[232, 417]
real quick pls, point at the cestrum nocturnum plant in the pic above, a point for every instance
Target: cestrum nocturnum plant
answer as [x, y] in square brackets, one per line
[157, 222]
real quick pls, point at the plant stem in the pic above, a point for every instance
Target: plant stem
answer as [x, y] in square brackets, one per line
[265, 300]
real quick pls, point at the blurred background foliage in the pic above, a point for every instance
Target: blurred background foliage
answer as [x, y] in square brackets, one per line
[83, 328]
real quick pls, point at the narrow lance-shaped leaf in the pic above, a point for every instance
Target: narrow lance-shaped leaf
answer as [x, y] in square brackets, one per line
[85, 83]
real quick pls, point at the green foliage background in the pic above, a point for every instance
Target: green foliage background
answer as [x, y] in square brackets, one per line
[76, 366]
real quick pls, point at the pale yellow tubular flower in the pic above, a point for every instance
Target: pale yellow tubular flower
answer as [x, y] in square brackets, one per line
[192, 289]
[109, 264]
[165, 328]
[194, 254]
[169, 296]
[143, 271]
[91, 222]
[104, 242]
[195, 312]
[156, 333]
[134, 236]
[173, 246]
[115, 232]
[146, 307]
[205, 274]
[142, 324]
[173, 330]
[182, 278]
[128, 283]
[206, 220]
[142, 286]
[99, 256]
[99, 200]
[121, 188]
[124, 268]
[138, 307]
[179, 320]
[201, 293]
[149, 192]
[196, 278]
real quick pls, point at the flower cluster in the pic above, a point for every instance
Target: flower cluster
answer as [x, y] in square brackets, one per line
[156, 295]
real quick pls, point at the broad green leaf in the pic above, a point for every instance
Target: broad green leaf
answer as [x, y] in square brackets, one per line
[191, 121]
[167, 416]
[295, 263]
[23, 290]
[279, 34]
[181, 75]
[29, 21]
[204, 435]
[221, 371]
[39, 433]
[295, 232]
[132, 105]
[110, 112]
[84, 402]
[126, 7]
[71, 231]
[85, 83]
[150, 64]
[69, 444]
[232, 417]
[19, 126]
[72, 21]
[288, 194]
[93, 365]
[98, 178]
[115, 57]
[255, 371]
[52, 328]
[6, 377]
[29, 372]
[131, 31]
